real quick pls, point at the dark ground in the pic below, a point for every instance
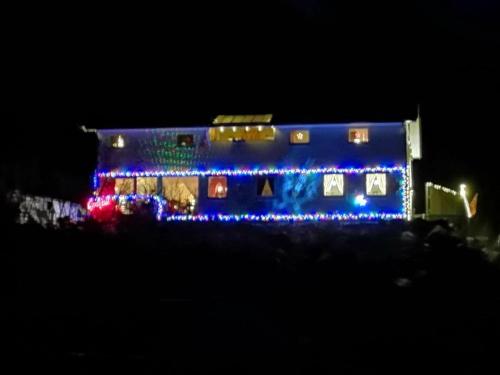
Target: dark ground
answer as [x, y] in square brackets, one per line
[233, 298]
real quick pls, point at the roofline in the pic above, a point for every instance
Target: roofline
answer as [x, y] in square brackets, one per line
[203, 127]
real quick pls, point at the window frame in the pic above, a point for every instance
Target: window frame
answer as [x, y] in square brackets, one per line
[343, 185]
[113, 141]
[272, 187]
[296, 131]
[363, 141]
[226, 192]
[386, 193]
[146, 178]
[125, 178]
[185, 146]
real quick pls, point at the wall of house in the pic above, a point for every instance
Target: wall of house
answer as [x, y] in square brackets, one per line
[156, 149]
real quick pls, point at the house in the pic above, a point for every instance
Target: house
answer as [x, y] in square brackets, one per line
[248, 168]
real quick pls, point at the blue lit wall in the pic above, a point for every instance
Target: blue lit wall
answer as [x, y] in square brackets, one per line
[155, 149]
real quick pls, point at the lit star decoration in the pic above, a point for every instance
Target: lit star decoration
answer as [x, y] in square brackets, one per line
[99, 202]
[360, 200]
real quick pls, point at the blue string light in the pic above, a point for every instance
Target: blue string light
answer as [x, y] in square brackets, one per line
[288, 217]
[97, 202]
[250, 172]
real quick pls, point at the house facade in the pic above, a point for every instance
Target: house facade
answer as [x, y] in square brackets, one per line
[246, 168]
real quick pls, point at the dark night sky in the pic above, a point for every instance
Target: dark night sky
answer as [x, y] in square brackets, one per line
[301, 60]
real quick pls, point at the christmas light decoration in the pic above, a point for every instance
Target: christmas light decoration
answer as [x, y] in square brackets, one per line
[99, 202]
[289, 217]
[95, 204]
[442, 188]
[251, 172]
[360, 200]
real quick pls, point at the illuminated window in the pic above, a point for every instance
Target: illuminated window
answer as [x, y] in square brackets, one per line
[106, 186]
[185, 140]
[117, 141]
[147, 185]
[358, 135]
[217, 187]
[242, 133]
[124, 186]
[181, 193]
[376, 184]
[299, 136]
[333, 185]
[265, 186]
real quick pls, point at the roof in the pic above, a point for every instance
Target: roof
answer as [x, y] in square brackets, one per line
[243, 119]
[172, 119]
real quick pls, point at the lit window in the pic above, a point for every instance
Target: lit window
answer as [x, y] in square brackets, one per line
[106, 186]
[299, 136]
[181, 193]
[333, 185]
[147, 185]
[117, 141]
[359, 135]
[376, 184]
[124, 186]
[242, 133]
[217, 187]
[185, 140]
[265, 186]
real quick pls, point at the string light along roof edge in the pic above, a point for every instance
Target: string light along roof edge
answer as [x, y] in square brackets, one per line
[249, 172]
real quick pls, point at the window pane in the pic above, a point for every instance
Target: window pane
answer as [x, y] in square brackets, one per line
[242, 133]
[376, 184]
[107, 186]
[146, 185]
[265, 186]
[185, 140]
[217, 187]
[299, 136]
[333, 185]
[117, 141]
[358, 135]
[124, 186]
[181, 193]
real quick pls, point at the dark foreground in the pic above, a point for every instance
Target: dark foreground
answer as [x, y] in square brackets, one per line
[243, 299]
